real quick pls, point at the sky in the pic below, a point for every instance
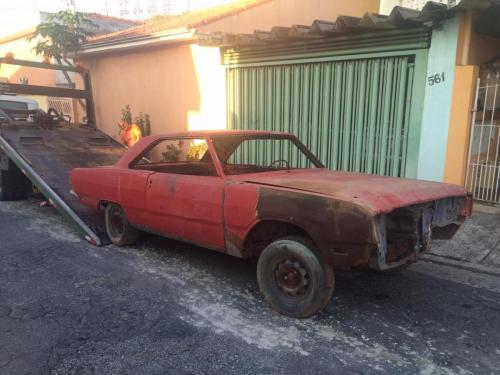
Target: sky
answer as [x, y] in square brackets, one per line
[21, 14]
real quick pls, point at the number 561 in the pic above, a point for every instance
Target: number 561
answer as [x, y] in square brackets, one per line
[435, 79]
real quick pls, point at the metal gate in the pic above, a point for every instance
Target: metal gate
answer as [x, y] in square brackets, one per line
[353, 114]
[483, 164]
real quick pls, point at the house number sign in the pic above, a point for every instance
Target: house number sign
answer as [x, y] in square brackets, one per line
[435, 79]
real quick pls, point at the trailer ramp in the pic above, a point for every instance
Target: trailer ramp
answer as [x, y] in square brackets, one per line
[46, 155]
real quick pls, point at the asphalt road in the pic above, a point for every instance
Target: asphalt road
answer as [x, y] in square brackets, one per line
[165, 307]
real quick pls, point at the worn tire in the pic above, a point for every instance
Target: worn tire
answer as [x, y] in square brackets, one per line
[293, 279]
[14, 185]
[119, 230]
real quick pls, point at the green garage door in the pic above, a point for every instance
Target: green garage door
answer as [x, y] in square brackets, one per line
[353, 114]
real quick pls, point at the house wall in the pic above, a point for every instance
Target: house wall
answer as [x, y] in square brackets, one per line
[437, 102]
[387, 5]
[23, 50]
[460, 123]
[473, 50]
[290, 12]
[181, 87]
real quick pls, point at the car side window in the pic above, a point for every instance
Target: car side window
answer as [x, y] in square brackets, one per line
[275, 153]
[188, 156]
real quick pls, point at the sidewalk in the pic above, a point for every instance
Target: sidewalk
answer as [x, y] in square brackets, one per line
[476, 245]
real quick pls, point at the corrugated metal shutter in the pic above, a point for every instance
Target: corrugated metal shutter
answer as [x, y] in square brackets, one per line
[353, 114]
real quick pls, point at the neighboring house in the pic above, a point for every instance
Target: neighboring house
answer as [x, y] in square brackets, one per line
[390, 94]
[17, 44]
[160, 69]
[379, 94]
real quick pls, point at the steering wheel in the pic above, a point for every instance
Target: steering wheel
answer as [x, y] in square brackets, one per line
[275, 163]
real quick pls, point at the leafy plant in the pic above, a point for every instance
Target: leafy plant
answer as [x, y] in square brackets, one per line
[171, 153]
[127, 114]
[144, 122]
[196, 151]
[63, 34]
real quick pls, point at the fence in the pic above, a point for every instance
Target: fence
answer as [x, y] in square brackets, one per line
[483, 165]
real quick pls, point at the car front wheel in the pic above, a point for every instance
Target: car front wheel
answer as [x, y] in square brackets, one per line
[293, 279]
[119, 230]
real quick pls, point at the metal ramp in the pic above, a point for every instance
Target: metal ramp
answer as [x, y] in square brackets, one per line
[46, 155]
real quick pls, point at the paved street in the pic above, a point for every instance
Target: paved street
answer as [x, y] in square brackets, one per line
[165, 307]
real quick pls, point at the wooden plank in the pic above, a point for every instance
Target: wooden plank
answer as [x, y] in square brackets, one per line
[36, 64]
[43, 90]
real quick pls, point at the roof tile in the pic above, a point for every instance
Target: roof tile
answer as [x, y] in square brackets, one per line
[190, 19]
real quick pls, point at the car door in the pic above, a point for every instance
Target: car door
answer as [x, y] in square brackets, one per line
[183, 201]
[132, 188]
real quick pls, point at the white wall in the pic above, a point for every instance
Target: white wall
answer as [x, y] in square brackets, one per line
[387, 5]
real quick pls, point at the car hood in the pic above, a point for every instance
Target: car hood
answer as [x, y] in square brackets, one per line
[380, 194]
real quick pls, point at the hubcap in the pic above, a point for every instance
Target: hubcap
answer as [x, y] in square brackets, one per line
[292, 277]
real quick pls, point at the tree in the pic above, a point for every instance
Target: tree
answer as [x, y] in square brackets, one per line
[62, 35]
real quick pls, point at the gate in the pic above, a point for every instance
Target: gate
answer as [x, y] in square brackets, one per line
[353, 114]
[483, 163]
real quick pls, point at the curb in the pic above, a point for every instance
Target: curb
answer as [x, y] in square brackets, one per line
[461, 264]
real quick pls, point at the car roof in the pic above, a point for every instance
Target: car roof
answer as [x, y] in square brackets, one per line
[214, 133]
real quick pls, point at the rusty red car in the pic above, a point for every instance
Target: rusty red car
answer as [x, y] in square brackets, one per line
[256, 194]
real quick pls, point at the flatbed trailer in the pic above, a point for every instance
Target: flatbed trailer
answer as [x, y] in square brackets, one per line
[43, 153]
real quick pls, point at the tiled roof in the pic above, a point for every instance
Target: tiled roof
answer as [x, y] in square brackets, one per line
[188, 20]
[107, 24]
[105, 18]
[104, 24]
[399, 18]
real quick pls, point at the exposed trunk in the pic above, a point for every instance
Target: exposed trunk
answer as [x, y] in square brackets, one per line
[68, 78]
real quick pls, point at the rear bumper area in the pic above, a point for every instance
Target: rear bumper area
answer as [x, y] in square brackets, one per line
[406, 233]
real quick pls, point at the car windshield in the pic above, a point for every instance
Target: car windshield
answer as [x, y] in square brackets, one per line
[252, 154]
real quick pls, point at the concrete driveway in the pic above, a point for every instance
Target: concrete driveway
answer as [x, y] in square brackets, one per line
[165, 307]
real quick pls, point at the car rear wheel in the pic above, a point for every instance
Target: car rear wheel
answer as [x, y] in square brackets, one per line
[293, 279]
[14, 185]
[119, 230]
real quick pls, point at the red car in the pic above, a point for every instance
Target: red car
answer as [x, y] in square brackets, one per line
[265, 195]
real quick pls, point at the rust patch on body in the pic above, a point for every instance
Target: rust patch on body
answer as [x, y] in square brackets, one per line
[342, 231]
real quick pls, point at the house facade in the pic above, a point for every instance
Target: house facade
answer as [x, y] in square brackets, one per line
[409, 93]
[17, 45]
[161, 69]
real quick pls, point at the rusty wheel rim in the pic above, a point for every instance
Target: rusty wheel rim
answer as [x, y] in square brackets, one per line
[117, 226]
[292, 277]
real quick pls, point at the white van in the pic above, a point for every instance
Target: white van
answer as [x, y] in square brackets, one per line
[12, 102]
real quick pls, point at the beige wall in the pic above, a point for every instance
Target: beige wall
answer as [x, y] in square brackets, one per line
[24, 50]
[290, 12]
[43, 77]
[180, 87]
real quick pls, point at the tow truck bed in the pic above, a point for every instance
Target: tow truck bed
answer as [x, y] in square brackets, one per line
[47, 155]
